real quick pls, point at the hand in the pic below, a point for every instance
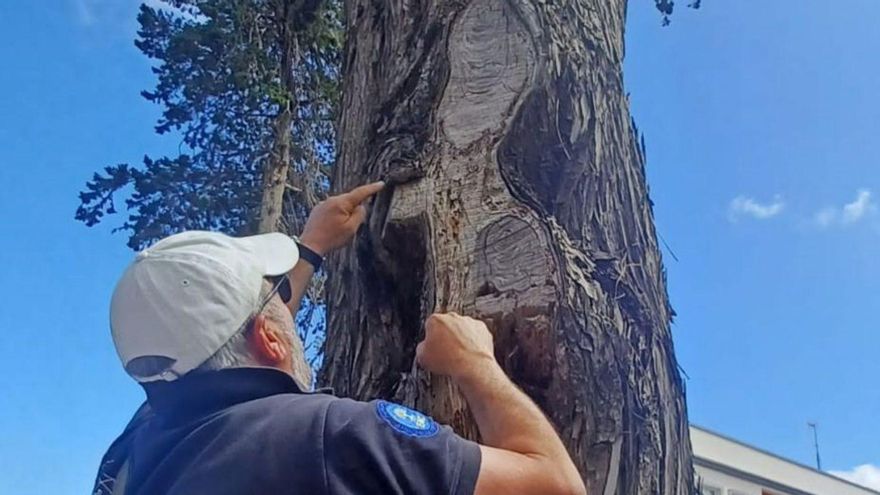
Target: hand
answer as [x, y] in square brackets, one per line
[455, 346]
[334, 221]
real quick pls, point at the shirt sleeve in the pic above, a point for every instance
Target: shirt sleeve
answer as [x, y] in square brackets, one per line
[382, 447]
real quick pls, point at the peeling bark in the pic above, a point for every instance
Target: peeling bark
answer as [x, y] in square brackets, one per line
[518, 195]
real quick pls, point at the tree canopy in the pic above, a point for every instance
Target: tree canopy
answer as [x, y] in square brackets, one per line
[219, 83]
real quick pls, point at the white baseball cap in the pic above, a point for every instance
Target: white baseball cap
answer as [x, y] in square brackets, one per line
[183, 298]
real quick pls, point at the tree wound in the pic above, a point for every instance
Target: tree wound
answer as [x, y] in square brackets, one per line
[491, 61]
[516, 294]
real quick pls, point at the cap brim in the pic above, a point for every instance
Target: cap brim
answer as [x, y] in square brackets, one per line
[278, 252]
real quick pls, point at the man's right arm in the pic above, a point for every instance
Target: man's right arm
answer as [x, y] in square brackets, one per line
[522, 454]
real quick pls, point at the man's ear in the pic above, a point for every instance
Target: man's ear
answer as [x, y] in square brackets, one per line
[268, 344]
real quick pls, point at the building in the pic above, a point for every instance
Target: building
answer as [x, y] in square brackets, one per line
[725, 466]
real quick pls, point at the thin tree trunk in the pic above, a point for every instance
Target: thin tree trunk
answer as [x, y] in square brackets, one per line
[518, 195]
[277, 165]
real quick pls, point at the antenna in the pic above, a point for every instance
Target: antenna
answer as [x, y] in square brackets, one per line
[815, 427]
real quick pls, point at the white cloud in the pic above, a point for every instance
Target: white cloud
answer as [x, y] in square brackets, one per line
[866, 475]
[744, 205]
[850, 213]
[853, 212]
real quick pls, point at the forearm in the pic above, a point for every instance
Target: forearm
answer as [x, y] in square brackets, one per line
[300, 277]
[510, 420]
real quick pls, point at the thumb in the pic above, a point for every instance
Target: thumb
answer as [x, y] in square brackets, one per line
[358, 216]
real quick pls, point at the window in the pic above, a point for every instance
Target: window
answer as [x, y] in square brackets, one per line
[706, 488]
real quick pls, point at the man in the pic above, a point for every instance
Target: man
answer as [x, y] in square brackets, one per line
[204, 322]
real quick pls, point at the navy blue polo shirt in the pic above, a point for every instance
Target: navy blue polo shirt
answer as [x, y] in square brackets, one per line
[252, 430]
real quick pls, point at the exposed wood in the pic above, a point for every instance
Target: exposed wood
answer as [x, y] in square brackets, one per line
[518, 194]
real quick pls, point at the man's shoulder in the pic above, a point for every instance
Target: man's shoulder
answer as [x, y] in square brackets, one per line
[311, 411]
[291, 409]
[286, 403]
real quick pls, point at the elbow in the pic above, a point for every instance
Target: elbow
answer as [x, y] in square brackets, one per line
[566, 489]
[569, 481]
[571, 484]
[527, 474]
[559, 477]
[575, 487]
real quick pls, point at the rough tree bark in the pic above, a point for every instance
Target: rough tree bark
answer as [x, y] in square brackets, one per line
[518, 195]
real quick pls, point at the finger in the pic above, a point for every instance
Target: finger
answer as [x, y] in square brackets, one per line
[441, 318]
[431, 322]
[359, 194]
[420, 350]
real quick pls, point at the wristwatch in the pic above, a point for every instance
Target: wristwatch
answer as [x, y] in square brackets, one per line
[310, 256]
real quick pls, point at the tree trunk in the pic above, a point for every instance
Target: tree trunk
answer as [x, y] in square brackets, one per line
[277, 165]
[517, 195]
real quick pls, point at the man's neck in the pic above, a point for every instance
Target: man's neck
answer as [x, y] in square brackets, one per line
[201, 393]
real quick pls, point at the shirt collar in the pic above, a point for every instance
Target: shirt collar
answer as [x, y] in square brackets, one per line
[201, 393]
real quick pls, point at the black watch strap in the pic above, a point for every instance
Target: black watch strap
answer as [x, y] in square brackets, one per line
[310, 256]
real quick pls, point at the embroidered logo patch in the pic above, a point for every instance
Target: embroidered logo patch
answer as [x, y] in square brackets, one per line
[405, 420]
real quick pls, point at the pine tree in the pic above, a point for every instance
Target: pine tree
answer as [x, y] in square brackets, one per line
[250, 88]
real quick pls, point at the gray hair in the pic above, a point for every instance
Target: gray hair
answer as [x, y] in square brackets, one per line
[236, 353]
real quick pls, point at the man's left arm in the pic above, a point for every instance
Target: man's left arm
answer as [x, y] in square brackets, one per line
[300, 276]
[331, 225]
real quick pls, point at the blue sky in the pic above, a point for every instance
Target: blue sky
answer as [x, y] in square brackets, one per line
[761, 120]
